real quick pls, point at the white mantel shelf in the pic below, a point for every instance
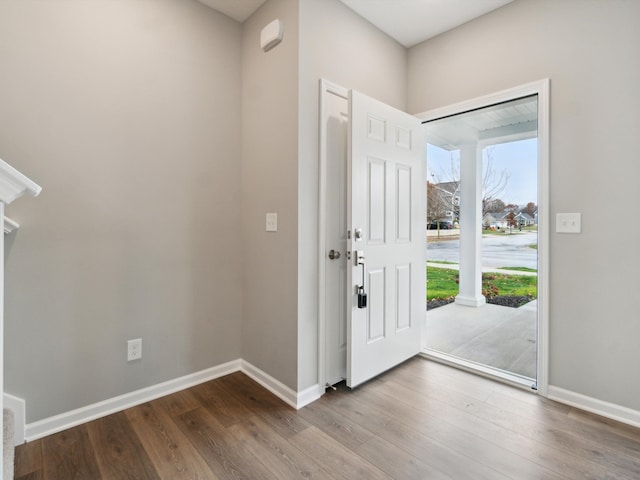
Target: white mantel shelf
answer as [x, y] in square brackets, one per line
[14, 184]
[10, 225]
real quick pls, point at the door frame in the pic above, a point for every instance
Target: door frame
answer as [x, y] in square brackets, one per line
[326, 88]
[541, 88]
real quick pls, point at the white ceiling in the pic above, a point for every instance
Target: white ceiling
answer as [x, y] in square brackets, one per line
[239, 10]
[413, 21]
[408, 21]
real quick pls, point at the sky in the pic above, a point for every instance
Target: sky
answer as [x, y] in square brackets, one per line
[518, 159]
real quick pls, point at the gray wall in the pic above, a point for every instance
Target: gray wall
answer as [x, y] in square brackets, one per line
[162, 135]
[342, 47]
[128, 114]
[269, 184]
[588, 48]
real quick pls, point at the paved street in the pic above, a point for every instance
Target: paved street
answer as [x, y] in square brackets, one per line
[497, 250]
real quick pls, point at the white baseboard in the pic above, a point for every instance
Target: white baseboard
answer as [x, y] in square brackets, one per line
[309, 395]
[63, 421]
[33, 431]
[66, 420]
[18, 406]
[276, 387]
[294, 399]
[593, 405]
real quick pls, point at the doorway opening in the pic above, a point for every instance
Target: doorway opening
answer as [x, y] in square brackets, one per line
[484, 271]
[391, 224]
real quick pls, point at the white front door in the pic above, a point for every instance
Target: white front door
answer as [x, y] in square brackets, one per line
[386, 222]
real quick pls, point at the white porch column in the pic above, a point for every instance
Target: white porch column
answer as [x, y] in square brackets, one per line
[470, 293]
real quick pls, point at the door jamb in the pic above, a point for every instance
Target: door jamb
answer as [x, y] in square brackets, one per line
[542, 89]
[326, 88]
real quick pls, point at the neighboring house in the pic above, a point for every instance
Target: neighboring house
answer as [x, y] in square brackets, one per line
[451, 194]
[524, 219]
[452, 189]
[489, 220]
[496, 219]
[500, 220]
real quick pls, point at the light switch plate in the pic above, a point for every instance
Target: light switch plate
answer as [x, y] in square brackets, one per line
[568, 223]
[272, 222]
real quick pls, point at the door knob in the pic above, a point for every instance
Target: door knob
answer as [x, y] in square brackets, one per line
[334, 255]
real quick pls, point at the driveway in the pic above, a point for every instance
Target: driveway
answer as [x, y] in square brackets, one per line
[497, 250]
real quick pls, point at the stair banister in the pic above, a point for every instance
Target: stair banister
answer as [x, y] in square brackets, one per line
[13, 185]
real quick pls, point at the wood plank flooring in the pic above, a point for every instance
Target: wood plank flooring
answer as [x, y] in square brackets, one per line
[421, 420]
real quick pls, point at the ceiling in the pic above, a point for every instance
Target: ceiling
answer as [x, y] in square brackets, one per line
[501, 123]
[239, 10]
[413, 21]
[407, 21]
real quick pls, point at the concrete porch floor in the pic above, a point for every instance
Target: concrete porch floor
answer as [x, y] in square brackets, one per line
[492, 335]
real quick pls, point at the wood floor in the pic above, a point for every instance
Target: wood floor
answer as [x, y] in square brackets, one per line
[421, 420]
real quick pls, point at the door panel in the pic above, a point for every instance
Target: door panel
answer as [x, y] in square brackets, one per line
[403, 203]
[403, 295]
[386, 210]
[377, 181]
[376, 312]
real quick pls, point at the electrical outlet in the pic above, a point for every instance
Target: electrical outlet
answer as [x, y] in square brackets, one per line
[134, 349]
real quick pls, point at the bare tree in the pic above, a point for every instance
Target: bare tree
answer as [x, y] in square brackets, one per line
[438, 204]
[530, 209]
[494, 182]
[495, 205]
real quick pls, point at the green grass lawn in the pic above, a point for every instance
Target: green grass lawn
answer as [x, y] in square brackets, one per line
[441, 283]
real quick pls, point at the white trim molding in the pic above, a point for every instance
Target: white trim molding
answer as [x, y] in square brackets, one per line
[294, 399]
[57, 423]
[594, 405]
[310, 395]
[279, 389]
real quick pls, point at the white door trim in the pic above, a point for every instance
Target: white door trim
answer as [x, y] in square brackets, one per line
[326, 88]
[542, 89]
